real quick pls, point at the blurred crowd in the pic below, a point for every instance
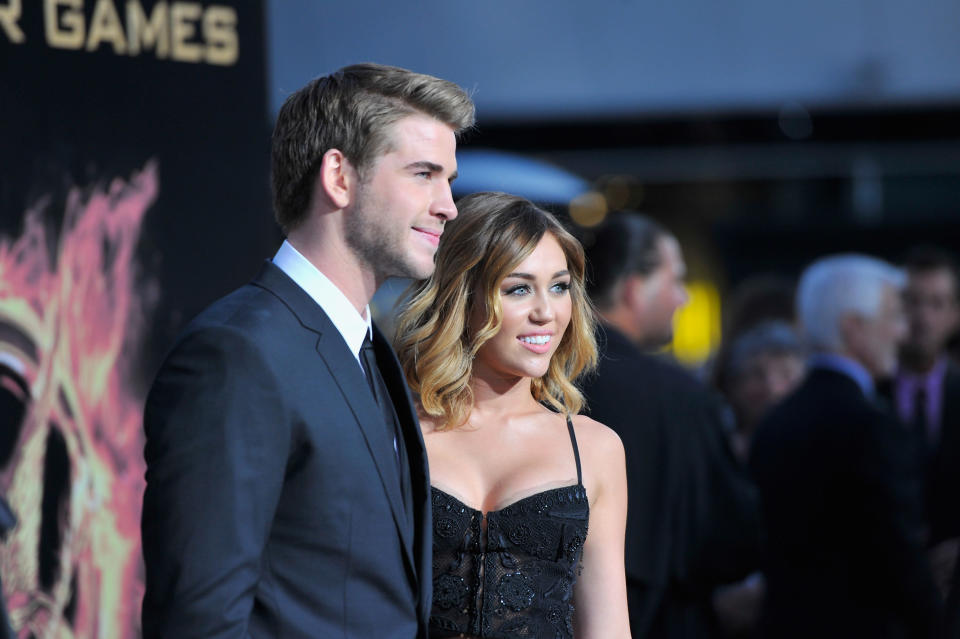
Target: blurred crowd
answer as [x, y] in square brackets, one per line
[804, 485]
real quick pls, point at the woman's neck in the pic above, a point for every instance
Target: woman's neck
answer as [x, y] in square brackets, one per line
[501, 395]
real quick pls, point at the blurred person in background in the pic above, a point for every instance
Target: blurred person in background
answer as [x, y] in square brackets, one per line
[952, 618]
[693, 516]
[926, 394]
[765, 364]
[839, 486]
[758, 299]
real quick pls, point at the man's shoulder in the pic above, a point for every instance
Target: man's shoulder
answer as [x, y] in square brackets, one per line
[247, 309]
[251, 317]
[618, 355]
[826, 406]
[667, 377]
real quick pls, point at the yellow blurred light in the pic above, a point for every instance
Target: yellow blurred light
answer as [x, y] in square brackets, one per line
[588, 209]
[696, 332]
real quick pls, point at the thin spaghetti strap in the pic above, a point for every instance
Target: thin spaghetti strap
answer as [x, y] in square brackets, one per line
[576, 450]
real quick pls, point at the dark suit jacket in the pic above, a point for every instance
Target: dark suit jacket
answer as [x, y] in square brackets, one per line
[952, 616]
[942, 467]
[841, 500]
[272, 506]
[943, 471]
[693, 518]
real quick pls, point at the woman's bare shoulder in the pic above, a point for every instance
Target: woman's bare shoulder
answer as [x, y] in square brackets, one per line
[596, 439]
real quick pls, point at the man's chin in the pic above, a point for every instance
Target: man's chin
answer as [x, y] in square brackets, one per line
[656, 343]
[418, 270]
[888, 369]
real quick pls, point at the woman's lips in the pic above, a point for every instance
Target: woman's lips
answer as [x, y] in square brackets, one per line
[537, 343]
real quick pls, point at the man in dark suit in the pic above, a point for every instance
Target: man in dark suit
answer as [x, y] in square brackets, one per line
[926, 388]
[838, 477]
[287, 486]
[692, 517]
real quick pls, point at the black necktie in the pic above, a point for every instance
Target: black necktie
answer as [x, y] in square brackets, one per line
[378, 387]
[368, 359]
[919, 423]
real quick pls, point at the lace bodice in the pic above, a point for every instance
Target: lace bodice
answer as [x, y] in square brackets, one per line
[514, 579]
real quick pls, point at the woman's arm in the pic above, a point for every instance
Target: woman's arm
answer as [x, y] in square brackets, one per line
[600, 594]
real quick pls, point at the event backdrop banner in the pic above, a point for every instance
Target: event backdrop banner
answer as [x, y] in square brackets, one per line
[134, 163]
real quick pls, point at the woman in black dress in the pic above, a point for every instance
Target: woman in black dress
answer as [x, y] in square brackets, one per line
[492, 343]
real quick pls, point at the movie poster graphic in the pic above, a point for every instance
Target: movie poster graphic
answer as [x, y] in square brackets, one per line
[134, 190]
[70, 460]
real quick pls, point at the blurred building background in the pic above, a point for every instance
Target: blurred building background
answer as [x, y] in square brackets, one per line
[764, 134]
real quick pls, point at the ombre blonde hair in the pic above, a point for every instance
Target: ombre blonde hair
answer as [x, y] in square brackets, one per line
[492, 234]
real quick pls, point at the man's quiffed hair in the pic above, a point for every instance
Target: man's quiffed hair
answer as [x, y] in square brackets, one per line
[351, 110]
[627, 244]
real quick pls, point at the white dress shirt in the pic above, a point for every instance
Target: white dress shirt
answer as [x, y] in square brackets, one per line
[352, 326]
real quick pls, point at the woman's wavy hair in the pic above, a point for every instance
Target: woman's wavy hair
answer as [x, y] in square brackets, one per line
[492, 234]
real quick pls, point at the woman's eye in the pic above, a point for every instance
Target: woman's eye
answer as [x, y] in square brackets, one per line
[561, 287]
[521, 289]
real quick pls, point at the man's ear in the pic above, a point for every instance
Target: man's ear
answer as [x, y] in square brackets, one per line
[337, 179]
[632, 291]
[850, 325]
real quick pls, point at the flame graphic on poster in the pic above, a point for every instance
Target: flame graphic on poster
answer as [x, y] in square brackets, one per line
[71, 464]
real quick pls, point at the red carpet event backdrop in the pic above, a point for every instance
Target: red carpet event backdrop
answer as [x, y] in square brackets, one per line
[133, 191]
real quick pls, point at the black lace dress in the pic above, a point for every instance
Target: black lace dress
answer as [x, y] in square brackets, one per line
[515, 579]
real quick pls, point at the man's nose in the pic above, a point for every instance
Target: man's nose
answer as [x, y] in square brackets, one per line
[443, 205]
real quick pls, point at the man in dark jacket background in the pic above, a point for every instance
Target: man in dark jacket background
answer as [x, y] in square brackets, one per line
[693, 518]
[838, 477]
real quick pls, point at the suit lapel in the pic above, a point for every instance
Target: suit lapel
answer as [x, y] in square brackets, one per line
[416, 452]
[348, 376]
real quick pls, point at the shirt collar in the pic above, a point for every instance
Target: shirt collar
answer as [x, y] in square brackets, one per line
[938, 372]
[846, 366]
[352, 326]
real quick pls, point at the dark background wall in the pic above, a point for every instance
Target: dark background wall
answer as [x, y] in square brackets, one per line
[133, 190]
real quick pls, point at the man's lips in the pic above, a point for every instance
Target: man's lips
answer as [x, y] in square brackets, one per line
[431, 235]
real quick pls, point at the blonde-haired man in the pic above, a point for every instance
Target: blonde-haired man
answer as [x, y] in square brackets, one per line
[287, 489]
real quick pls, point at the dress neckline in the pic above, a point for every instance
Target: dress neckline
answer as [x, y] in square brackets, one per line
[486, 515]
[579, 484]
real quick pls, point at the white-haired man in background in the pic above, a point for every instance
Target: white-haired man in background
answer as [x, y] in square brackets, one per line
[839, 485]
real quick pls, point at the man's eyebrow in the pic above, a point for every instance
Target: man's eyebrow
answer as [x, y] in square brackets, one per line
[425, 164]
[432, 167]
